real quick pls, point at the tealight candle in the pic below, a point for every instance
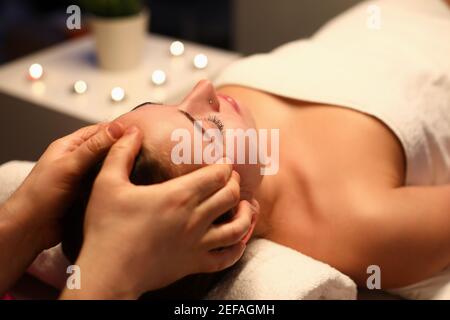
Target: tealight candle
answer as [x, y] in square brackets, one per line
[35, 71]
[158, 77]
[177, 48]
[117, 94]
[80, 87]
[200, 61]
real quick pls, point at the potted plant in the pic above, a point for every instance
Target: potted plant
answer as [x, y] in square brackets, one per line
[119, 28]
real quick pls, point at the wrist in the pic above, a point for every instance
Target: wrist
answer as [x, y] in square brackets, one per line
[103, 276]
[28, 218]
[14, 215]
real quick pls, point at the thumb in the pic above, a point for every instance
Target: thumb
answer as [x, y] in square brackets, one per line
[95, 147]
[120, 159]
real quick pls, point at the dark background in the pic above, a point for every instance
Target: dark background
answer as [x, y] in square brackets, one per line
[26, 26]
[246, 26]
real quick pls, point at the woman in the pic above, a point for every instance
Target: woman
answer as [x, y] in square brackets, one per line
[363, 114]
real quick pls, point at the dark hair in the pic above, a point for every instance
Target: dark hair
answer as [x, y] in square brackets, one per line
[148, 169]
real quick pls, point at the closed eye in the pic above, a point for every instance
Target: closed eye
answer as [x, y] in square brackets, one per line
[216, 121]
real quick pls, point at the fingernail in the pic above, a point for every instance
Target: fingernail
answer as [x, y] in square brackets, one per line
[115, 130]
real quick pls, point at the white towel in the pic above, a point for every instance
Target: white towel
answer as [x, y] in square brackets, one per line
[11, 176]
[399, 74]
[272, 271]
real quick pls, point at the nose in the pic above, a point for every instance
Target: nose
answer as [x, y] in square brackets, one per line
[202, 99]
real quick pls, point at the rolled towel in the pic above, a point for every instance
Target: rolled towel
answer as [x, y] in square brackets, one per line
[272, 271]
[11, 176]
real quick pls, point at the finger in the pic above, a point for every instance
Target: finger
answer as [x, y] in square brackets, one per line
[75, 139]
[230, 233]
[94, 148]
[219, 260]
[221, 201]
[203, 182]
[255, 207]
[83, 134]
[120, 159]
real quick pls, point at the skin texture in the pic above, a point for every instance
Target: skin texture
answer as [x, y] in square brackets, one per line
[339, 195]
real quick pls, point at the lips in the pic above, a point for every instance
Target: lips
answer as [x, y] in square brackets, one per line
[231, 101]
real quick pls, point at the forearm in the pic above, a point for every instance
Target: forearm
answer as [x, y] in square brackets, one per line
[19, 243]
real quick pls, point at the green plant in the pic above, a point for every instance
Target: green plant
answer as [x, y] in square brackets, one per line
[112, 8]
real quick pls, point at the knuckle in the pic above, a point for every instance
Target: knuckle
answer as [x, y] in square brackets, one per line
[95, 144]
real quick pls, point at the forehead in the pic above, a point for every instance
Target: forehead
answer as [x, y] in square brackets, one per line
[157, 123]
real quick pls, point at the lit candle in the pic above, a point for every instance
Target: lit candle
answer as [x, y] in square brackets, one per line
[35, 71]
[117, 94]
[177, 48]
[158, 77]
[200, 61]
[80, 87]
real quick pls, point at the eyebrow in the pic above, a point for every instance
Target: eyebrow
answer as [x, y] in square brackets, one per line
[141, 105]
[191, 119]
[186, 114]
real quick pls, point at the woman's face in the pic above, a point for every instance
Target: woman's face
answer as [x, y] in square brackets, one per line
[219, 112]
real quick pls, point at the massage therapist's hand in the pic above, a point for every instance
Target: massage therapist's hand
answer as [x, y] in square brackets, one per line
[51, 185]
[141, 238]
[29, 219]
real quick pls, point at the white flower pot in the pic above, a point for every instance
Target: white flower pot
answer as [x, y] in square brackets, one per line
[120, 41]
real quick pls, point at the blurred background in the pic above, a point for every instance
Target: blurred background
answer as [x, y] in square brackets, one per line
[98, 78]
[245, 26]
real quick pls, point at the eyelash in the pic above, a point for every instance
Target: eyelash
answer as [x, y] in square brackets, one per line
[216, 121]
